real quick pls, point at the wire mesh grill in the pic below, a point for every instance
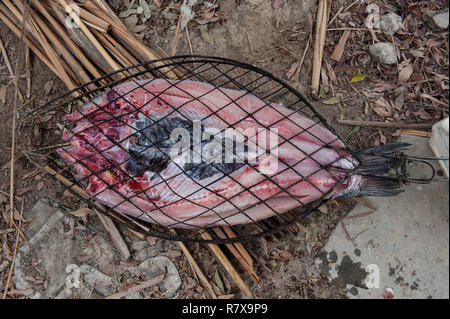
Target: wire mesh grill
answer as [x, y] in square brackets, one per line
[119, 148]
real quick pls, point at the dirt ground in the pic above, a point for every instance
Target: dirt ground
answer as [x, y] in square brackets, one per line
[273, 39]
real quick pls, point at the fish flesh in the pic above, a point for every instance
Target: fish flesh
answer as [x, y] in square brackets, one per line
[166, 152]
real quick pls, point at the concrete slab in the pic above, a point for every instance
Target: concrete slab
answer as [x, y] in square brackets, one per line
[401, 250]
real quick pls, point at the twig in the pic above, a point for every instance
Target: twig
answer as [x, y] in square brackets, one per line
[345, 230]
[319, 43]
[10, 68]
[228, 266]
[435, 100]
[247, 267]
[16, 245]
[90, 36]
[28, 71]
[176, 37]
[115, 235]
[336, 15]
[339, 49]
[151, 282]
[189, 40]
[385, 124]
[196, 268]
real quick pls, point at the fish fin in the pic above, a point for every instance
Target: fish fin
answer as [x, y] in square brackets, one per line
[379, 186]
[376, 160]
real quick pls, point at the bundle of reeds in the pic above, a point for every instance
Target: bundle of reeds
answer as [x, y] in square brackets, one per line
[79, 41]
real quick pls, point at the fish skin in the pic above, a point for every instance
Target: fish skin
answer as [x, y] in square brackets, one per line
[173, 199]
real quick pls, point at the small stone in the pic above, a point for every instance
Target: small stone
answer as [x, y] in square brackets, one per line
[384, 51]
[437, 20]
[391, 23]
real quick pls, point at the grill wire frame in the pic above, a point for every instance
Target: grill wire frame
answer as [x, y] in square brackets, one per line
[190, 68]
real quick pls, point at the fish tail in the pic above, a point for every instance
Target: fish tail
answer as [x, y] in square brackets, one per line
[376, 162]
[379, 160]
[379, 186]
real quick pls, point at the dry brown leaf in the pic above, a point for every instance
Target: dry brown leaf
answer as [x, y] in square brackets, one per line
[3, 94]
[290, 73]
[40, 185]
[48, 87]
[382, 107]
[381, 86]
[22, 292]
[282, 255]
[82, 213]
[171, 253]
[277, 3]
[309, 23]
[405, 74]
[382, 137]
[324, 78]
[417, 53]
[399, 101]
[24, 190]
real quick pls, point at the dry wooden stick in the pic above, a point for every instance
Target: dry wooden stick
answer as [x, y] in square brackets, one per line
[16, 246]
[66, 38]
[6, 17]
[228, 266]
[62, 49]
[28, 70]
[176, 37]
[36, 32]
[89, 35]
[238, 246]
[118, 29]
[151, 282]
[196, 268]
[115, 235]
[319, 43]
[339, 49]
[417, 133]
[386, 124]
[10, 68]
[248, 269]
[427, 96]
[94, 20]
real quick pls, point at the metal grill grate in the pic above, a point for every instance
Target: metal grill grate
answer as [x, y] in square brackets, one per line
[118, 132]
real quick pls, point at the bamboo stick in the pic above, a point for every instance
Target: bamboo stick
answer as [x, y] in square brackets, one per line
[195, 266]
[72, 62]
[83, 42]
[238, 246]
[228, 266]
[37, 33]
[94, 20]
[66, 38]
[339, 49]
[319, 43]
[139, 50]
[231, 247]
[10, 69]
[7, 19]
[28, 71]
[90, 36]
[151, 282]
